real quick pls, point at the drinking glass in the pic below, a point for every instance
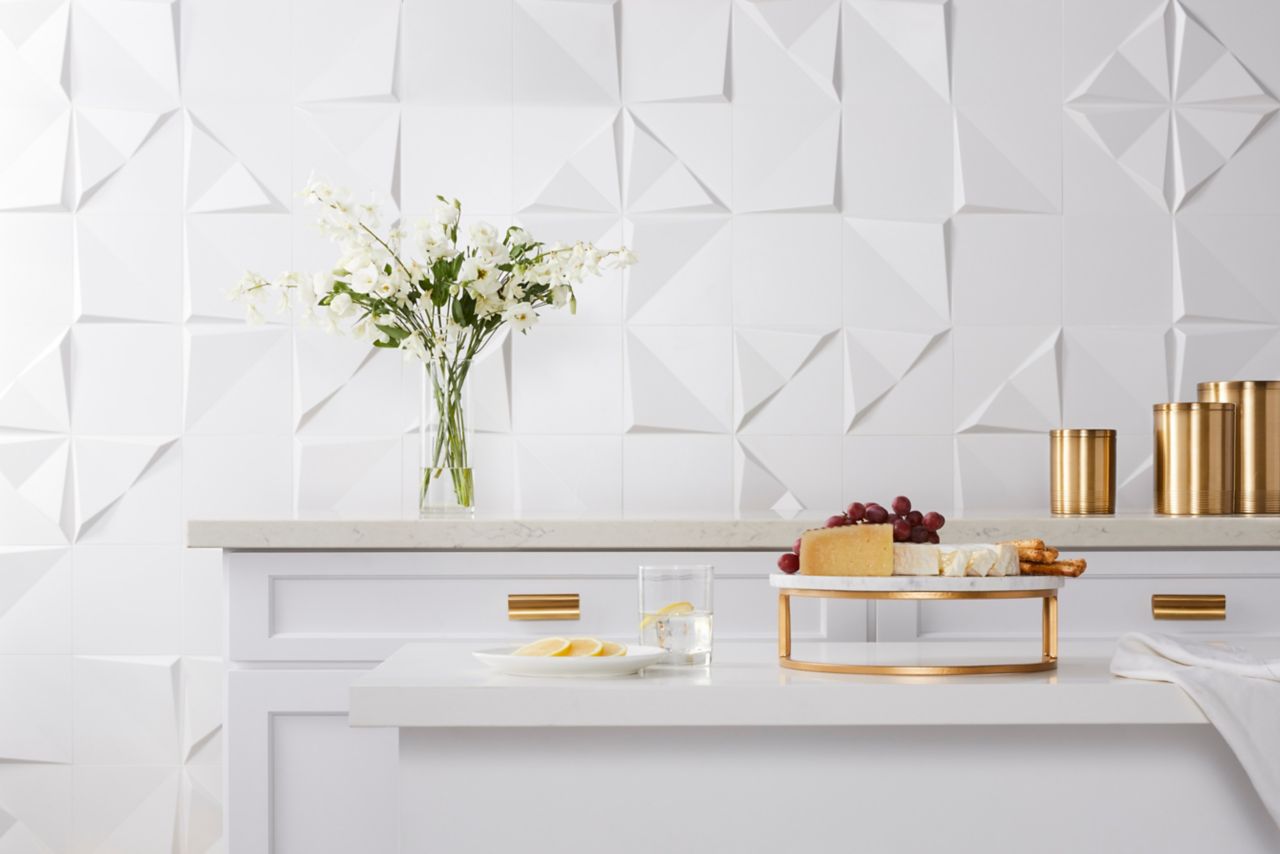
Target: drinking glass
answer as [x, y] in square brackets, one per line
[675, 611]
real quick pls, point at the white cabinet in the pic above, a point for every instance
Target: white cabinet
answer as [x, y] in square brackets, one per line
[303, 625]
[1111, 598]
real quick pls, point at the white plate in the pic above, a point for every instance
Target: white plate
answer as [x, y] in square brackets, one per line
[636, 659]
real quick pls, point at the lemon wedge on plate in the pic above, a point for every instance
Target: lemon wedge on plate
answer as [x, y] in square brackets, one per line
[585, 647]
[673, 608]
[546, 647]
[611, 648]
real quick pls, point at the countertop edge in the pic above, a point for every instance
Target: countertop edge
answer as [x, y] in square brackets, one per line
[1118, 532]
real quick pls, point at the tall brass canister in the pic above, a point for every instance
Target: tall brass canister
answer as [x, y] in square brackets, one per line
[1195, 450]
[1082, 472]
[1257, 440]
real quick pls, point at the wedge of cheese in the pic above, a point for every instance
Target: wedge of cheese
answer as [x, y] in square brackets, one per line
[849, 550]
[916, 559]
[1006, 560]
[955, 560]
[981, 559]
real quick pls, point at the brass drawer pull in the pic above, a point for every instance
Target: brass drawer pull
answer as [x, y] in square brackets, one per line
[542, 606]
[1189, 606]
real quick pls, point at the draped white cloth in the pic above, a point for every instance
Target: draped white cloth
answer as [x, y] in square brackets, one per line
[1238, 692]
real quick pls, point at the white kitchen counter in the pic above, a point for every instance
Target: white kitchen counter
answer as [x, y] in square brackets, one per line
[1056, 762]
[1110, 532]
[442, 685]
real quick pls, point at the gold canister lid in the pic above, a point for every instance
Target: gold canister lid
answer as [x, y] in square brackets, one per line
[1238, 384]
[1083, 432]
[1185, 406]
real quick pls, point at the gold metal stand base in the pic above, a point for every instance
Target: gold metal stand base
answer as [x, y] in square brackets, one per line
[1048, 633]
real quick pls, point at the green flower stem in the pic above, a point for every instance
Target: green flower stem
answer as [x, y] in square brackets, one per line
[449, 450]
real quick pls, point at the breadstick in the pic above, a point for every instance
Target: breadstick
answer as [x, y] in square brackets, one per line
[1045, 555]
[1024, 544]
[1070, 568]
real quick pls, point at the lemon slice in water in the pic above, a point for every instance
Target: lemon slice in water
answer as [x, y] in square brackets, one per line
[673, 608]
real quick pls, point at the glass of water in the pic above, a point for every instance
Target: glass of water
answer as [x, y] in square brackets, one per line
[675, 611]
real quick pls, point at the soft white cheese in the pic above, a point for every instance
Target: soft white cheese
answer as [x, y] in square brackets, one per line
[915, 559]
[954, 560]
[981, 559]
[1006, 560]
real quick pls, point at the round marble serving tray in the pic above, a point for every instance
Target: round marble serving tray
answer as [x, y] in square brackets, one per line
[915, 582]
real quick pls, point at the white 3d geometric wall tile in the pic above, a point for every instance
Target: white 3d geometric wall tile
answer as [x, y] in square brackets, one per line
[884, 246]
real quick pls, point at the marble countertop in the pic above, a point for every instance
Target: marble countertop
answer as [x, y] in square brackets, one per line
[1097, 532]
[442, 685]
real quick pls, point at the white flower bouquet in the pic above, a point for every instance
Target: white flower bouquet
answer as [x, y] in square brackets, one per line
[437, 298]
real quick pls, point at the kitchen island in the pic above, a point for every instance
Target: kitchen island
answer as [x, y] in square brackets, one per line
[743, 757]
[314, 605]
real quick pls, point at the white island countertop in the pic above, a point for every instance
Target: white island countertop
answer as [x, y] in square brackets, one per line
[769, 534]
[443, 685]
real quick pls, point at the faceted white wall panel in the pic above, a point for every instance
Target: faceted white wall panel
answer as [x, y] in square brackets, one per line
[885, 245]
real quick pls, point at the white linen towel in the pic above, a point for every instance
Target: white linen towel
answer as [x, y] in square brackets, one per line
[1238, 692]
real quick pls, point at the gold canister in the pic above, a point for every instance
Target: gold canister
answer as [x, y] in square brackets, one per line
[1195, 452]
[1257, 440]
[1082, 472]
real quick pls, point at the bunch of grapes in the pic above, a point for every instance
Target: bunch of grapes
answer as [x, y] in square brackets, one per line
[909, 526]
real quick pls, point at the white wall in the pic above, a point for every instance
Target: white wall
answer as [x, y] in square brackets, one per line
[885, 246]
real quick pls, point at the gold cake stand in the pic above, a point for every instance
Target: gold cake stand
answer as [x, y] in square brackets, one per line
[1047, 593]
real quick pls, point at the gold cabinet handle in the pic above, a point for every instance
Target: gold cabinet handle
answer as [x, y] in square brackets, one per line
[543, 606]
[1189, 606]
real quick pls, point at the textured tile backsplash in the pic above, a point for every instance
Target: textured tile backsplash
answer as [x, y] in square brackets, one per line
[885, 245]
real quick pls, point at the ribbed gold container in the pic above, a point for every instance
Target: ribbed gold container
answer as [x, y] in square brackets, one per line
[1257, 440]
[1082, 472]
[1195, 452]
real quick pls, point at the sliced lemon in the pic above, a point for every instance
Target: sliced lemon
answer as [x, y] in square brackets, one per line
[585, 647]
[611, 648]
[673, 608]
[545, 647]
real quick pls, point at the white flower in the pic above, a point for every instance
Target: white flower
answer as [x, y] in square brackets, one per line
[385, 288]
[482, 235]
[414, 346]
[321, 285]
[365, 279]
[252, 316]
[355, 256]
[519, 237]
[520, 316]
[435, 243]
[617, 259]
[317, 192]
[560, 295]
[340, 304]
[447, 213]
[487, 304]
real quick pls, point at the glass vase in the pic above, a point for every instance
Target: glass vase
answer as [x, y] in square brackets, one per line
[447, 484]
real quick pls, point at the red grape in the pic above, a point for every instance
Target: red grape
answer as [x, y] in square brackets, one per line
[934, 538]
[857, 510]
[837, 521]
[933, 521]
[876, 514]
[901, 531]
[796, 547]
[902, 505]
[915, 517]
[789, 562]
[919, 534]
